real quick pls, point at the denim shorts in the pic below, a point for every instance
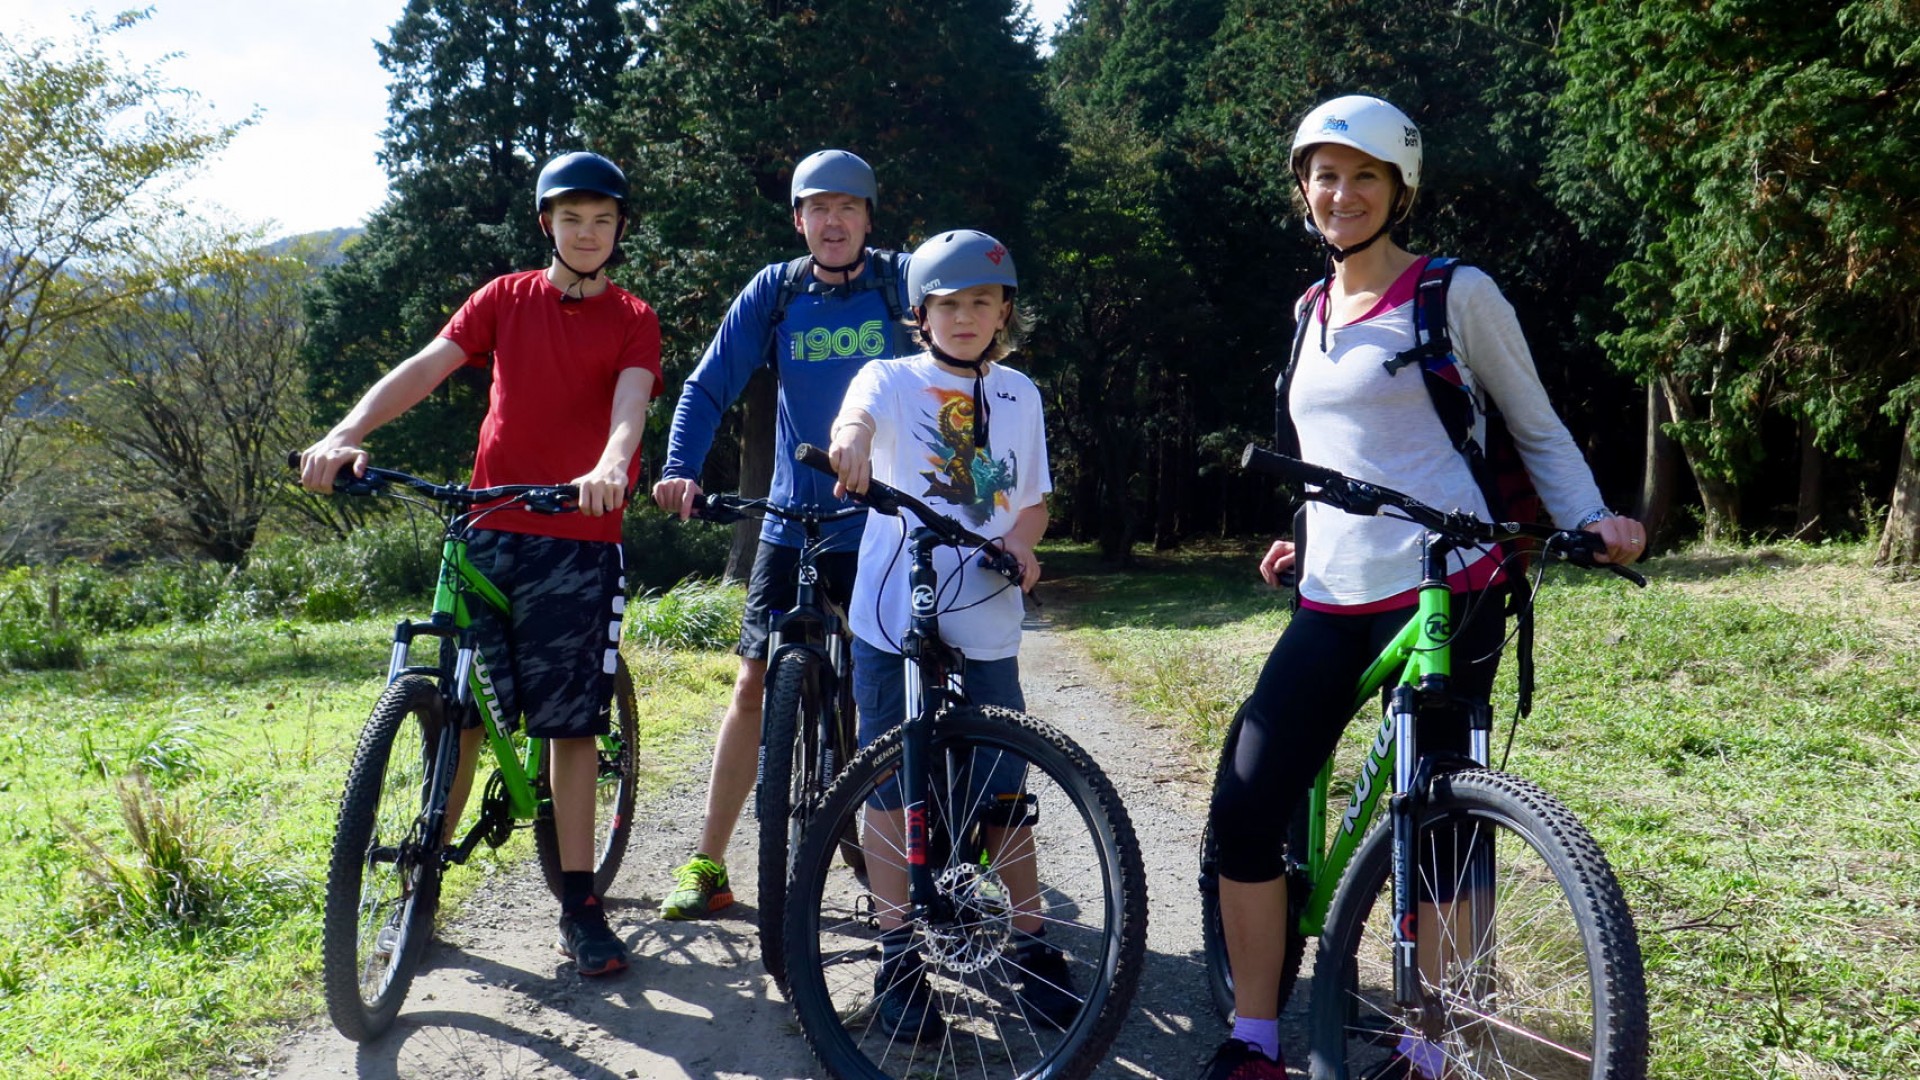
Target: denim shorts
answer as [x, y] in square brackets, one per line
[553, 660]
[880, 691]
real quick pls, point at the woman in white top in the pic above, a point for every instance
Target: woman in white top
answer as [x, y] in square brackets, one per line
[1357, 163]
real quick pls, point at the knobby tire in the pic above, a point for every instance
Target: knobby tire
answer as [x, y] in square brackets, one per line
[1092, 882]
[384, 873]
[1548, 984]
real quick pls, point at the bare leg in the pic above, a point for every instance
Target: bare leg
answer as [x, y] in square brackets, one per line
[736, 753]
[1014, 858]
[576, 772]
[1252, 914]
[885, 842]
[457, 795]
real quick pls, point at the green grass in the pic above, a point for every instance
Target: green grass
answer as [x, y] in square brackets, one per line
[165, 813]
[1739, 736]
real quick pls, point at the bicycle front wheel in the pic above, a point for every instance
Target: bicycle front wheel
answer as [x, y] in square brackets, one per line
[1529, 961]
[788, 785]
[614, 794]
[1063, 829]
[383, 882]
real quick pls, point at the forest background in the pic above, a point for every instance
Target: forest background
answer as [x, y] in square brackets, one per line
[1704, 214]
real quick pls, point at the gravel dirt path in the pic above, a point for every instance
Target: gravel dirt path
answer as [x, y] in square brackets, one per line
[495, 1001]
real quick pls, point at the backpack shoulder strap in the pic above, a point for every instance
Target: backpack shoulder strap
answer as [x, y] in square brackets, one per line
[1285, 439]
[886, 271]
[791, 278]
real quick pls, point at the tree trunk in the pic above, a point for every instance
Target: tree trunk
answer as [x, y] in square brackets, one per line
[1719, 498]
[756, 467]
[1900, 540]
[1806, 523]
[1659, 475]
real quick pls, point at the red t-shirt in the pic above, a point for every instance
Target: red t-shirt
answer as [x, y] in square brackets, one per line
[555, 364]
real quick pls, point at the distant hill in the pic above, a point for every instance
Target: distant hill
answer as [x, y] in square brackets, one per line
[330, 243]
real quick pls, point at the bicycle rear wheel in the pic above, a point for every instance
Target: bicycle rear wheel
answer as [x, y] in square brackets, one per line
[383, 882]
[1213, 937]
[614, 794]
[788, 785]
[1539, 970]
[1093, 903]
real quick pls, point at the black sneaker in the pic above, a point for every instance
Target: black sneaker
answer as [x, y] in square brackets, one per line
[904, 1004]
[1044, 987]
[586, 938]
[1236, 1060]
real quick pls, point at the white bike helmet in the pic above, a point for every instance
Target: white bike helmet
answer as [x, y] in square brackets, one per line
[1369, 125]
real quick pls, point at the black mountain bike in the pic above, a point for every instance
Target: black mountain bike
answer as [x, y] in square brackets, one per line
[807, 729]
[1481, 921]
[966, 837]
[391, 842]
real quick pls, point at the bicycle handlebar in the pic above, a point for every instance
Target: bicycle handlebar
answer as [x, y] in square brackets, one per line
[724, 509]
[1369, 500]
[891, 500]
[539, 498]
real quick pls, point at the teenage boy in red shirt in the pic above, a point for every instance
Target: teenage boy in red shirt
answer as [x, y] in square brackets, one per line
[575, 361]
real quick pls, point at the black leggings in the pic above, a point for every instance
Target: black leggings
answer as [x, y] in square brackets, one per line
[1292, 722]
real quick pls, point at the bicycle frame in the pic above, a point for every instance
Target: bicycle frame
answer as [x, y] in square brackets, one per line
[465, 680]
[1418, 661]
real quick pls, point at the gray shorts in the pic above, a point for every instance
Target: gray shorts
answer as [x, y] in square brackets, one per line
[553, 660]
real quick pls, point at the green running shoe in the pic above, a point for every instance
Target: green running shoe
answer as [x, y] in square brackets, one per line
[700, 889]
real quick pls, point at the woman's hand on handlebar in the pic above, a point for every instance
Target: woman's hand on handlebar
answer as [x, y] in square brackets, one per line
[1626, 539]
[322, 462]
[676, 495]
[1278, 560]
[851, 452]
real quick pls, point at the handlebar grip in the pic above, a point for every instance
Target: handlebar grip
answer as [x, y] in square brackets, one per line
[1260, 460]
[809, 454]
[293, 459]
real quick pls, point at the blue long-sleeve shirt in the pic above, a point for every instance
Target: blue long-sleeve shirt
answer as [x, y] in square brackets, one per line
[827, 334]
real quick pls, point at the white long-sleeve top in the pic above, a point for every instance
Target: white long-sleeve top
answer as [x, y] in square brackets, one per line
[1354, 417]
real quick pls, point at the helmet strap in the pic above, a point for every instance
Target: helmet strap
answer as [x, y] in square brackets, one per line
[856, 264]
[980, 408]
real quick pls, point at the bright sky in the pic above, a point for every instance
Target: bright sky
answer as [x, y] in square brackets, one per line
[308, 66]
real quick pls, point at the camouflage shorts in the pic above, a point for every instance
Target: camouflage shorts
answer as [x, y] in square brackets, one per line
[552, 660]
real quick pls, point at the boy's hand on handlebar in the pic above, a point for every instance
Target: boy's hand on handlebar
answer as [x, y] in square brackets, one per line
[1626, 539]
[1278, 560]
[320, 463]
[1022, 553]
[676, 495]
[851, 452]
[602, 491]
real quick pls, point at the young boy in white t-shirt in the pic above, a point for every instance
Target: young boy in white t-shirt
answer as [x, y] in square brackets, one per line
[956, 428]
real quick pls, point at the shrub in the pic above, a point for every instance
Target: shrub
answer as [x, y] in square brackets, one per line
[692, 615]
[185, 879]
[663, 551]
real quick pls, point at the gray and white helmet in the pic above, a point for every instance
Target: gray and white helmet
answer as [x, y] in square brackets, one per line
[957, 260]
[835, 170]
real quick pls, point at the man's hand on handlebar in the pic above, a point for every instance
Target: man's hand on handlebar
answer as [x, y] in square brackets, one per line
[675, 495]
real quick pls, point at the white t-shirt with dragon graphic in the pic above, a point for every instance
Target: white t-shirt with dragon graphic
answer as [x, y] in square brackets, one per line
[923, 445]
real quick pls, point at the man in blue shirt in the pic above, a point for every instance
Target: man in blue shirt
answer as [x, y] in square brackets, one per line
[836, 317]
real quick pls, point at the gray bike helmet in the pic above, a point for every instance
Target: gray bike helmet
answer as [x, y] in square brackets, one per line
[958, 260]
[580, 171]
[835, 170]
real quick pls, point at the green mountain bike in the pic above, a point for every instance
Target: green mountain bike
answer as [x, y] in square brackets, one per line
[1528, 965]
[393, 840]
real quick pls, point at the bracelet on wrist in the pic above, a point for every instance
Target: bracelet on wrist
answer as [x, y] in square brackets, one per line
[1598, 515]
